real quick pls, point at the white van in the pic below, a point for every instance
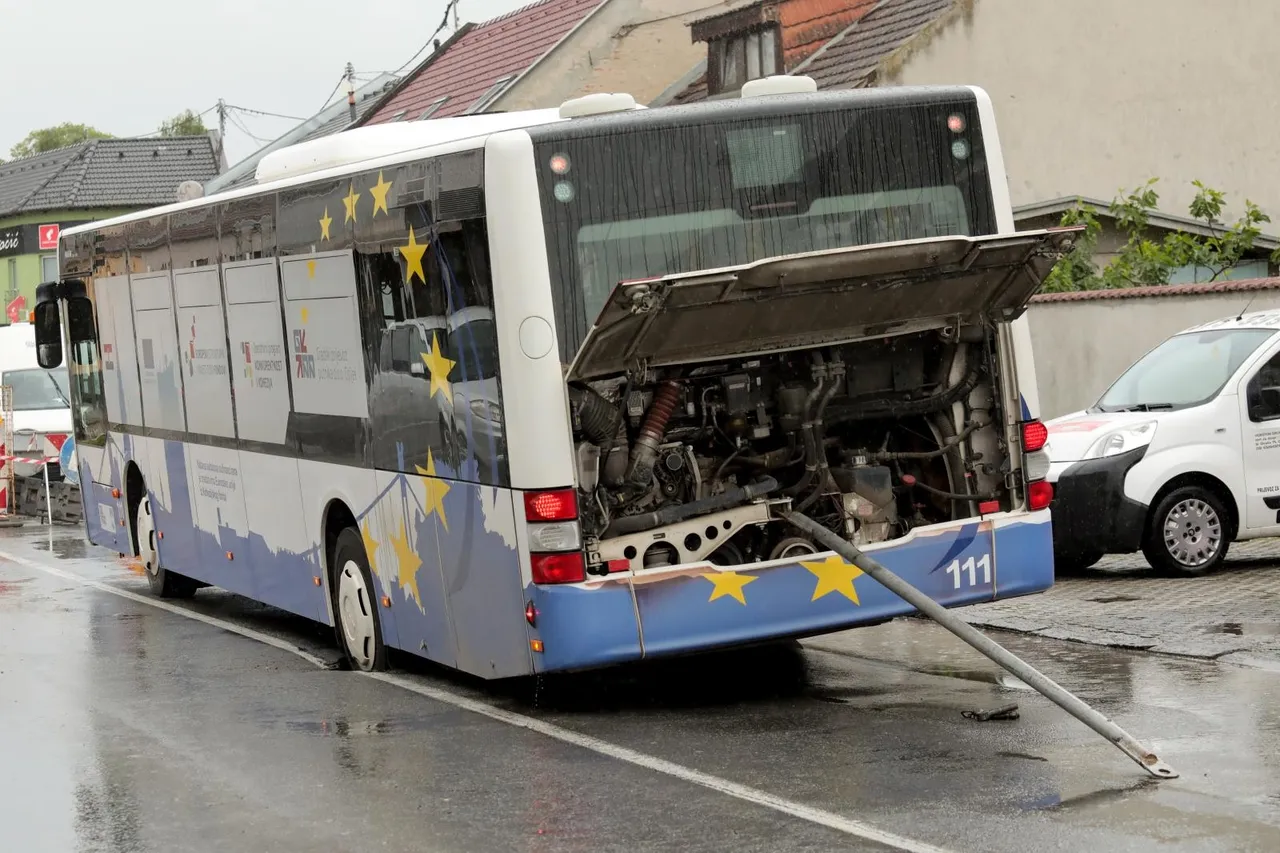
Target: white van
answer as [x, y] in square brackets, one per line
[41, 399]
[1180, 457]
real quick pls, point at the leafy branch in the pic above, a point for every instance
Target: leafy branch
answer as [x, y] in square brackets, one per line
[1144, 262]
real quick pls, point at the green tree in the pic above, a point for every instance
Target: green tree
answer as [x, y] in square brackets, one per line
[185, 123]
[1144, 262]
[58, 136]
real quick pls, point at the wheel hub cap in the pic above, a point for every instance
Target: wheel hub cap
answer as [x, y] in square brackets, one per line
[355, 610]
[1193, 533]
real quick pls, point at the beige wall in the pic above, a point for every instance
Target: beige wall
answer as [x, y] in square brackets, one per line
[1094, 95]
[636, 46]
[1082, 347]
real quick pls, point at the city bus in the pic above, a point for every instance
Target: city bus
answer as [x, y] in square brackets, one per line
[534, 391]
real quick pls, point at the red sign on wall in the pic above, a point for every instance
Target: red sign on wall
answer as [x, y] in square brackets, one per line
[14, 308]
[49, 236]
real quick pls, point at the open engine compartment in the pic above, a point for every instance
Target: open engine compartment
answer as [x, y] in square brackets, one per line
[873, 439]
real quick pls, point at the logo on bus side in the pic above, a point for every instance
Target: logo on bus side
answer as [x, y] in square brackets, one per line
[305, 361]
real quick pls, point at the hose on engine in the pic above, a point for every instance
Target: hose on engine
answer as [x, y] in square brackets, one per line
[926, 405]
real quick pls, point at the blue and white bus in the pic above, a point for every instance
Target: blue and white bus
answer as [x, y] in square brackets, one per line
[529, 392]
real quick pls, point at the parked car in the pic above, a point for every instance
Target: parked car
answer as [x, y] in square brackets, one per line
[1180, 457]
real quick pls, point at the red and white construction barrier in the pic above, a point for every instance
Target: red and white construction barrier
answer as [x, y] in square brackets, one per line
[29, 460]
[43, 461]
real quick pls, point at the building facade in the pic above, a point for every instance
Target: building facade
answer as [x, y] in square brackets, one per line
[98, 179]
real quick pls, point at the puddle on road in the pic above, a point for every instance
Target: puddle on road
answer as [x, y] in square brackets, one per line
[1247, 629]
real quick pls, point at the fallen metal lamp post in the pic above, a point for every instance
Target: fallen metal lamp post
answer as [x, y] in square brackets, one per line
[1066, 700]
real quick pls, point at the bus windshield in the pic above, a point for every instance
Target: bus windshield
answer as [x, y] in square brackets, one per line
[1184, 371]
[709, 188]
[36, 389]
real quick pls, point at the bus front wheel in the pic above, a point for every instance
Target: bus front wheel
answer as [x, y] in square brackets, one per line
[355, 608]
[163, 582]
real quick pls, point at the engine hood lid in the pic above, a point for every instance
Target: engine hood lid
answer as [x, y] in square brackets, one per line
[818, 298]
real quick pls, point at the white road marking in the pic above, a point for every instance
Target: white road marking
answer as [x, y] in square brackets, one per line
[821, 817]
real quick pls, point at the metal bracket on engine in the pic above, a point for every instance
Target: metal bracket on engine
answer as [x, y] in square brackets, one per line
[693, 539]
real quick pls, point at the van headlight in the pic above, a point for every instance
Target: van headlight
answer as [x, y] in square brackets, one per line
[1122, 440]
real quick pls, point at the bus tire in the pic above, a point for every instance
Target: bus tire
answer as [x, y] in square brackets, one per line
[355, 607]
[1187, 533]
[164, 583]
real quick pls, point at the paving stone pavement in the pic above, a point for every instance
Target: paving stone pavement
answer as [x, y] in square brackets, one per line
[1231, 615]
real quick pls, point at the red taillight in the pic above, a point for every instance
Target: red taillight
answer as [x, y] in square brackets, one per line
[568, 567]
[1039, 494]
[1034, 436]
[560, 505]
[989, 507]
[531, 614]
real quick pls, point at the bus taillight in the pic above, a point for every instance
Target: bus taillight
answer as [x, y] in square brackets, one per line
[1035, 436]
[559, 568]
[555, 539]
[560, 505]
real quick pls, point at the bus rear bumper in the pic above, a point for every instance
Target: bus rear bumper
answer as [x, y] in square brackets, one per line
[692, 608]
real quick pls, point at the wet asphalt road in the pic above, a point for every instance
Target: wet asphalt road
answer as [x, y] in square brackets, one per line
[125, 727]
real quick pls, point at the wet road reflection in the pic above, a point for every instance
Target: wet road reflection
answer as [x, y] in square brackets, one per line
[146, 731]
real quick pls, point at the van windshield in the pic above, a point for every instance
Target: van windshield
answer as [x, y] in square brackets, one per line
[1184, 371]
[37, 389]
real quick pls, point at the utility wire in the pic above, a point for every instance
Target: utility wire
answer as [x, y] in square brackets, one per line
[431, 38]
[336, 87]
[265, 113]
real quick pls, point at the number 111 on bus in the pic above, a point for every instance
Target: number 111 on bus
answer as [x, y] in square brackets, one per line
[968, 571]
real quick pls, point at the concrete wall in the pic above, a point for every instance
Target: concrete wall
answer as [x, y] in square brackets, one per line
[636, 46]
[1081, 347]
[1096, 95]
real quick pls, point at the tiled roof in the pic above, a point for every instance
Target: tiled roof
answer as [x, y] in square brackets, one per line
[849, 61]
[1244, 285]
[106, 173]
[466, 69]
[840, 43]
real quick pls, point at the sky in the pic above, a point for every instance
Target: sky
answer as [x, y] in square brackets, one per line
[127, 65]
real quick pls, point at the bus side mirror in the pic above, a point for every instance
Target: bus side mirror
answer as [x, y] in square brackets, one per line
[48, 335]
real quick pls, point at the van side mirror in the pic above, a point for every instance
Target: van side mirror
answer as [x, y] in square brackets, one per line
[48, 335]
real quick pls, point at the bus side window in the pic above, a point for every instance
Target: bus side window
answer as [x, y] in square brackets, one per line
[85, 368]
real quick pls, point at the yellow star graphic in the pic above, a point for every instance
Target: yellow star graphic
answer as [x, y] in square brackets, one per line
[370, 545]
[304, 314]
[409, 562]
[350, 202]
[835, 575]
[412, 254]
[728, 584]
[325, 222]
[438, 366]
[379, 192]
[311, 269]
[436, 490]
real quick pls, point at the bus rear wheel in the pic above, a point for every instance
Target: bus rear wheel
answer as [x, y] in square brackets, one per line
[355, 609]
[163, 582]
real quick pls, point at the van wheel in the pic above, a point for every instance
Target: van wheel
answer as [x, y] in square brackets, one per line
[355, 611]
[163, 582]
[1186, 534]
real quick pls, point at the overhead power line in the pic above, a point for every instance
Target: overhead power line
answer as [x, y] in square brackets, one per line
[264, 113]
[451, 8]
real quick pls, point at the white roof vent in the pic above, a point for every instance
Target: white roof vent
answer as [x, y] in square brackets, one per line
[598, 104]
[779, 84]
